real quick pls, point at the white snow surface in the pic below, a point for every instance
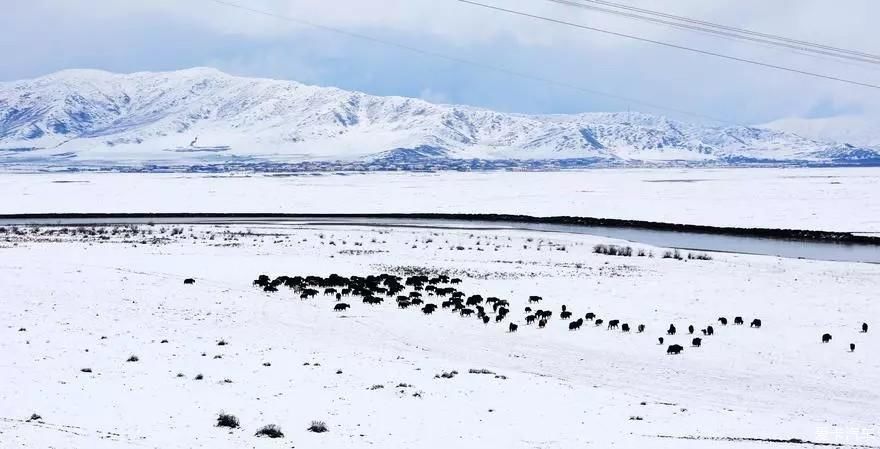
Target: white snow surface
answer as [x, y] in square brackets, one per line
[814, 199]
[204, 116]
[63, 293]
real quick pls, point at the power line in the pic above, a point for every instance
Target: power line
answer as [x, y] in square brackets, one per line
[726, 32]
[734, 29]
[473, 63]
[671, 45]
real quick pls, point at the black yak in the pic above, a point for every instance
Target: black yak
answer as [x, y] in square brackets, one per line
[852, 347]
[660, 340]
[599, 322]
[565, 315]
[641, 328]
[738, 320]
[710, 330]
[826, 338]
[674, 349]
[189, 281]
[613, 324]
[574, 325]
[341, 307]
[624, 327]
[590, 316]
[485, 319]
[864, 328]
[534, 298]
[671, 330]
[723, 321]
[697, 342]
[755, 323]
[530, 319]
[542, 323]
[691, 329]
[512, 327]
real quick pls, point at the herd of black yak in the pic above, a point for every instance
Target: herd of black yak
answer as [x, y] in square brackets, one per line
[425, 291]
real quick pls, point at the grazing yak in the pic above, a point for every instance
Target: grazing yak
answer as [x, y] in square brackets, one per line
[429, 309]
[534, 298]
[574, 325]
[723, 321]
[530, 319]
[485, 319]
[756, 323]
[624, 327]
[542, 323]
[826, 338]
[191, 281]
[697, 342]
[852, 347]
[709, 330]
[590, 316]
[690, 329]
[512, 327]
[565, 315]
[599, 322]
[738, 320]
[660, 340]
[341, 307]
[864, 328]
[641, 328]
[674, 349]
[671, 330]
[528, 309]
[613, 324]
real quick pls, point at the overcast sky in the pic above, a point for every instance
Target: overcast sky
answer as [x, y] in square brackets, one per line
[43, 36]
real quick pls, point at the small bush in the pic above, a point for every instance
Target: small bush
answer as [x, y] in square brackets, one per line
[199, 376]
[699, 256]
[225, 420]
[377, 387]
[318, 427]
[445, 375]
[222, 343]
[35, 417]
[613, 250]
[480, 371]
[133, 358]
[86, 370]
[271, 431]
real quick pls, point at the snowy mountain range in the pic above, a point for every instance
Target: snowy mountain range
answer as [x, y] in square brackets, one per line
[203, 118]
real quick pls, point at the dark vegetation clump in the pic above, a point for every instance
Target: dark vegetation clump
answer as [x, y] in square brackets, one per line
[226, 420]
[318, 427]
[613, 250]
[271, 431]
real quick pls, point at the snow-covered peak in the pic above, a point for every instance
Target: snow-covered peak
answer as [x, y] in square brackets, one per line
[199, 114]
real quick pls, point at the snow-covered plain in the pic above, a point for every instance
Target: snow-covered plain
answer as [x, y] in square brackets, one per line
[839, 199]
[552, 388]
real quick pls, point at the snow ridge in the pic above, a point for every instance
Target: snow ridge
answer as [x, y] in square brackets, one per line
[204, 116]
